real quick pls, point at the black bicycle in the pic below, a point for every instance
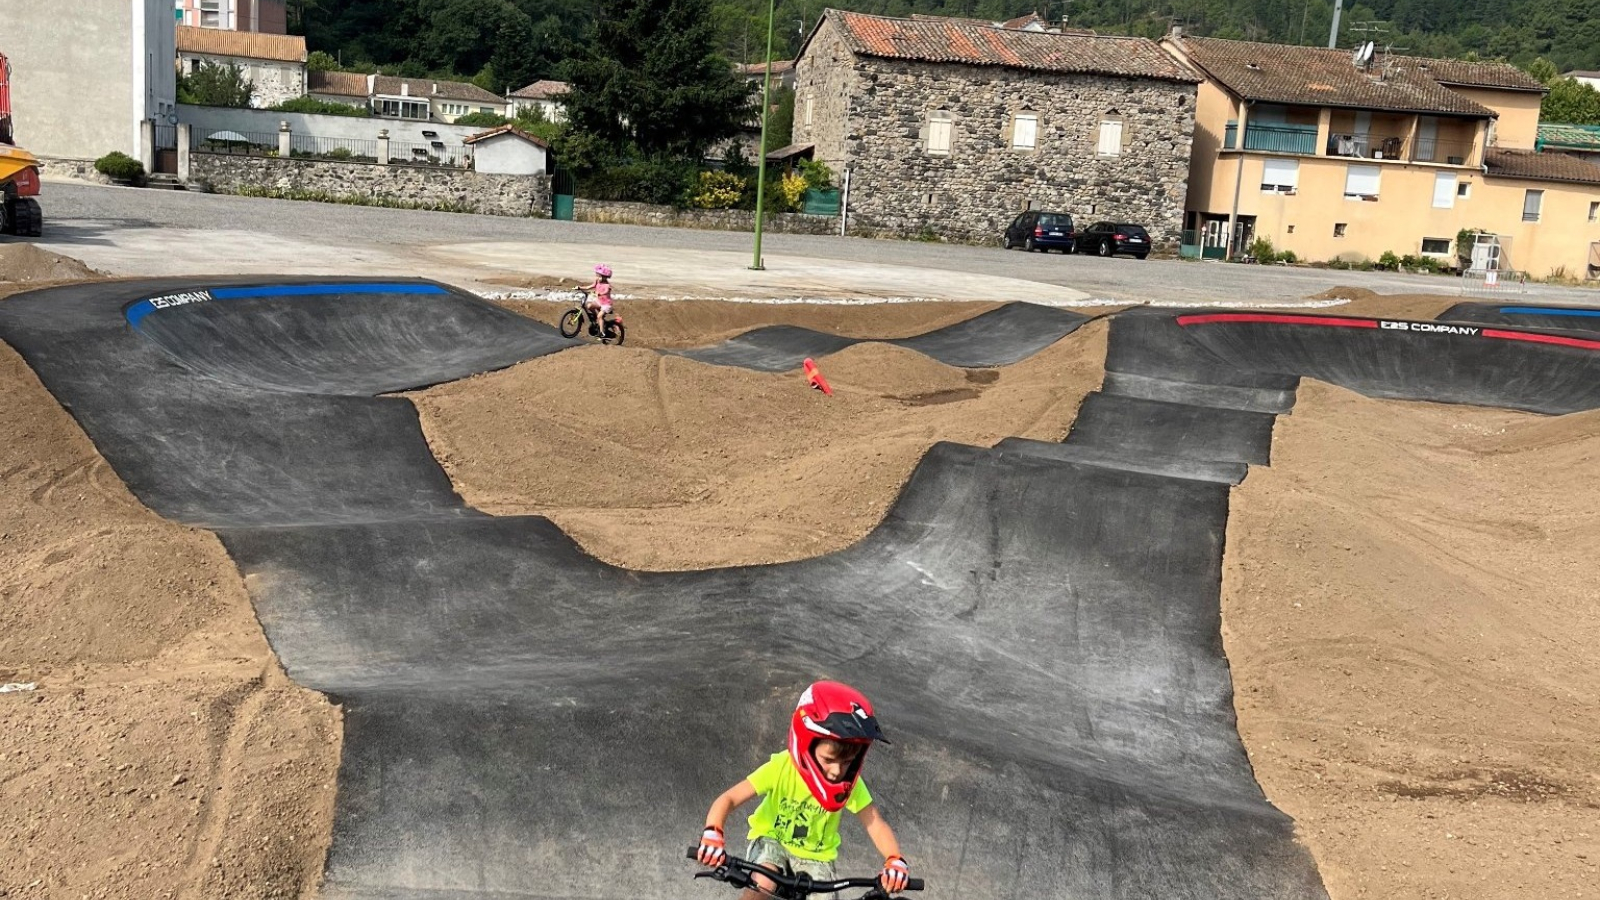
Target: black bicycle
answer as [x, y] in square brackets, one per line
[740, 873]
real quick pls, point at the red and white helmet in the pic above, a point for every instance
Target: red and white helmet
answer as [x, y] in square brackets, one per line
[603, 270]
[829, 710]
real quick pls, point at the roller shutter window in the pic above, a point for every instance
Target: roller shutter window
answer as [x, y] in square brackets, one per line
[1444, 190]
[1280, 176]
[1361, 182]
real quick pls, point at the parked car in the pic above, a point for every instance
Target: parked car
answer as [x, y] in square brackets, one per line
[1040, 230]
[1113, 238]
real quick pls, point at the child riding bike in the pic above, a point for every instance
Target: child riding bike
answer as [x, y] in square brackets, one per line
[599, 299]
[803, 791]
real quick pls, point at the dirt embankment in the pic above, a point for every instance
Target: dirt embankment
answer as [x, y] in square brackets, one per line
[1410, 615]
[161, 753]
[659, 462]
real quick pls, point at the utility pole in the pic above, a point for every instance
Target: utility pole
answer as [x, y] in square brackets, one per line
[1333, 33]
[761, 152]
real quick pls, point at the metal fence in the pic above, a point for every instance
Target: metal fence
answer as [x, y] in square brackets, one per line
[432, 154]
[345, 149]
[236, 143]
[1492, 283]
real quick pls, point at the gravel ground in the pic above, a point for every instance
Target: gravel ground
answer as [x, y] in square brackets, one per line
[82, 217]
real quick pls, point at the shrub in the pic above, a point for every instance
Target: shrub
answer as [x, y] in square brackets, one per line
[1388, 260]
[718, 190]
[660, 180]
[1261, 249]
[1288, 256]
[120, 166]
[214, 84]
[816, 173]
[481, 120]
[321, 107]
[792, 190]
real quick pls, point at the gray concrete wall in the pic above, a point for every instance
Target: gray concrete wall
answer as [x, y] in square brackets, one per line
[73, 89]
[208, 119]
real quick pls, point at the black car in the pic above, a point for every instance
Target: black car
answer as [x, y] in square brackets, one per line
[1040, 230]
[1113, 238]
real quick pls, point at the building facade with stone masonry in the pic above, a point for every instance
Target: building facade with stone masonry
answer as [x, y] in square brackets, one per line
[1333, 154]
[950, 128]
[274, 64]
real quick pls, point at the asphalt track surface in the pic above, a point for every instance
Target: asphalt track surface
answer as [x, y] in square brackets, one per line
[1039, 623]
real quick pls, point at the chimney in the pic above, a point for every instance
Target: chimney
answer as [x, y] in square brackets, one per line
[405, 89]
[1177, 33]
[436, 87]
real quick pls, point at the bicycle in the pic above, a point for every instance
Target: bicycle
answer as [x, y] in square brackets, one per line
[740, 873]
[572, 322]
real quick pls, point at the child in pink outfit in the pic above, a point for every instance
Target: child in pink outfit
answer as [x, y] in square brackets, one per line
[600, 298]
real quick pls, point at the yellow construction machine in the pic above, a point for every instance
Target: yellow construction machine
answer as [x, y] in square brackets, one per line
[19, 172]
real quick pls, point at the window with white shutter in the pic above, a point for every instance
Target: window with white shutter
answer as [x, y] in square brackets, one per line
[1025, 131]
[1532, 203]
[1280, 176]
[1110, 137]
[808, 109]
[1444, 190]
[939, 127]
[1361, 182]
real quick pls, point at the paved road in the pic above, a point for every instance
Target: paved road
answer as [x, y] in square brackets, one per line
[127, 231]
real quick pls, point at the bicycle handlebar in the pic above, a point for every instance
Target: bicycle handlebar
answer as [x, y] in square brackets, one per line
[739, 873]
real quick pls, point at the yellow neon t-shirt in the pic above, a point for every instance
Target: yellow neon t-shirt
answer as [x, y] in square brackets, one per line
[791, 816]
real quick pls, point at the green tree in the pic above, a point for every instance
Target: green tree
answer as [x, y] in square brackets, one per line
[213, 84]
[1571, 101]
[649, 76]
[321, 61]
[1544, 70]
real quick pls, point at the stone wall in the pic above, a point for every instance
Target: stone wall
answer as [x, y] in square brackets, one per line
[826, 76]
[62, 167]
[612, 212]
[876, 114]
[429, 186]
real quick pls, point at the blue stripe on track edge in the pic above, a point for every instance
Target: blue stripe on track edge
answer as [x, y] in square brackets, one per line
[137, 311]
[1547, 311]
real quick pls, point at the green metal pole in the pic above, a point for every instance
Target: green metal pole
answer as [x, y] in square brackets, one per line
[761, 153]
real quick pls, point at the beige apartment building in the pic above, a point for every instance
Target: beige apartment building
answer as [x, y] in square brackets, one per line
[1330, 153]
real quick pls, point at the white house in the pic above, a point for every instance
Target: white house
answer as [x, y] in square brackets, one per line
[1592, 79]
[79, 92]
[508, 150]
[275, 64]
[542, 95]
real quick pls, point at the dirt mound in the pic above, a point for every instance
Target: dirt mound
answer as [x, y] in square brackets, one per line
[697, 323]
[26, 263]
[707, 466]
[1409, 616]
[896, 373]
[161, 749]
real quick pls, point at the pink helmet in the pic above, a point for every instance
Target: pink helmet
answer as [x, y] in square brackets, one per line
[603, 270]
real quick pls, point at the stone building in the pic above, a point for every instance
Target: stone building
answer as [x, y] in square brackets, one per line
[951, 128]
[274, 64]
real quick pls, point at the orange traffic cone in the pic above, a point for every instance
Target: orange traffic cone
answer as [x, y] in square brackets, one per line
[814, 376]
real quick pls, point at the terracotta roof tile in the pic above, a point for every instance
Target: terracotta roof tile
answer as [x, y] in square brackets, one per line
[434, 89]
[507, 129]
[339, 84]
[241, 44]
[1469, 73]
[1537, 166]
[1570, 137]
[954, 41]
[541, 90]
[1314, 76]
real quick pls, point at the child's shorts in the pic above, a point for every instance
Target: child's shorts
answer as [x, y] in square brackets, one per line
[768, 852]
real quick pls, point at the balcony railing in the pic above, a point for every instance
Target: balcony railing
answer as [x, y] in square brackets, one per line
[1434, 150]
[1297, 139]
